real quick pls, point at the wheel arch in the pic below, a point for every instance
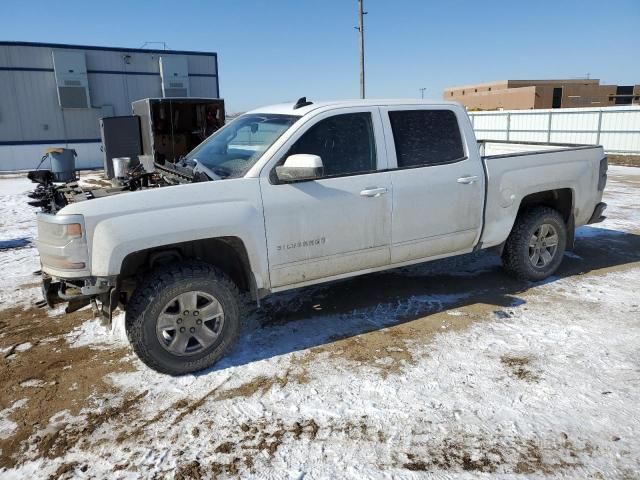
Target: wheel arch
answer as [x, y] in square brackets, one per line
[229, 254]
[560, 199]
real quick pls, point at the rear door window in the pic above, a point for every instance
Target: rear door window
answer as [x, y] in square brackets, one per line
[426, 137]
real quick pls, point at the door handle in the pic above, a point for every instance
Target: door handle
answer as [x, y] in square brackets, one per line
[468, 180]
[373, 192]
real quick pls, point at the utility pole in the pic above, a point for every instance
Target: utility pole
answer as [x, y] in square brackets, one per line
[360, 29]
[422, 92]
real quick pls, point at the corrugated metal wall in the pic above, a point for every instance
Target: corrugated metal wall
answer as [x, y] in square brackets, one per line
[617, 129]
[31, 118]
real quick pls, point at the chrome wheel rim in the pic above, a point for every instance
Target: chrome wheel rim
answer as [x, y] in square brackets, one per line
[543, 246]
[190, 323]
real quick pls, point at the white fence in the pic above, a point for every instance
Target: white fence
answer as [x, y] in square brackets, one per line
[617, 129]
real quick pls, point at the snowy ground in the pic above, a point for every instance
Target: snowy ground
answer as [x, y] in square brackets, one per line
[445, 370]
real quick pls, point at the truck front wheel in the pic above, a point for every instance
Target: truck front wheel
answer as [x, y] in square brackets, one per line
[183, 318]
[536, 244]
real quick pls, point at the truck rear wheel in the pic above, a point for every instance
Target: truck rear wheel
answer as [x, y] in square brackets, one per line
[183, 318]
[536, 244]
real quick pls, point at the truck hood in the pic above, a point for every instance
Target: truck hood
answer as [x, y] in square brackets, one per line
[173, 197]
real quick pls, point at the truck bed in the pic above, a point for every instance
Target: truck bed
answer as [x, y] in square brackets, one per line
[498, 148]
[517, 169]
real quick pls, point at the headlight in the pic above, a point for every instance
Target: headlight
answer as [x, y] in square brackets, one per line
[58, 233]
[62, 242]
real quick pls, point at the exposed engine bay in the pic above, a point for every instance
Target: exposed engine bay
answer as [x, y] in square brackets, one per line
[51, 196]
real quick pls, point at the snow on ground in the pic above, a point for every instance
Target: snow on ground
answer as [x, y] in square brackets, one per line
[18, 256]
[448, 369]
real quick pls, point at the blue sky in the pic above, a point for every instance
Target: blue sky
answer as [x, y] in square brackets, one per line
[278, 50]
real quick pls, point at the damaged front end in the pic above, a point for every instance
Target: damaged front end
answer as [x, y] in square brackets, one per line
[52, 196]
[100, 293]
[66, 273]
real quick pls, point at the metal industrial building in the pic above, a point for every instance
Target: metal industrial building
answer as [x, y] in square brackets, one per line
[54, 95]
[535, 94]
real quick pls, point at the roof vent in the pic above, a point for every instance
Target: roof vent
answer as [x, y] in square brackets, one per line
[302, 102]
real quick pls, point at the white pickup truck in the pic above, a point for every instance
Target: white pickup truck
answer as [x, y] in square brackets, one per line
[306, 193]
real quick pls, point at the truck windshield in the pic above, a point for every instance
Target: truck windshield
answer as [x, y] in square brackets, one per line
[233, 149]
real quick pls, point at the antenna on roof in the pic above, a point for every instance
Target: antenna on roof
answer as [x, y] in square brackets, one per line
[302, 102]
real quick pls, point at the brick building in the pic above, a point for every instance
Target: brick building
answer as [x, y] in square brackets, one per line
[530, 94]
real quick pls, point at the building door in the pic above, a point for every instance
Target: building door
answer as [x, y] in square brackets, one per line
[557, 98]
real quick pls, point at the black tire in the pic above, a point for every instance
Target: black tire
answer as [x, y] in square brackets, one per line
[156, 291]
[516, 254]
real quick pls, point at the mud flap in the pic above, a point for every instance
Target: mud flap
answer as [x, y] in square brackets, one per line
[109, 302]
[571, 233]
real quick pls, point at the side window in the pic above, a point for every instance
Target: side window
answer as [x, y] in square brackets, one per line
[345, 143]
[426, 137]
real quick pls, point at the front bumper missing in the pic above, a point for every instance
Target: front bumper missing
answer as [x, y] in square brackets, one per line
[101, 293]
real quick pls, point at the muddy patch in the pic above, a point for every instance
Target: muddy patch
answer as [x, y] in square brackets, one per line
[624, 160]
[389, 350]
[260, 440]
[519, 366]
[263, 383]
[190, 471]
[505, 455]
[53, 378]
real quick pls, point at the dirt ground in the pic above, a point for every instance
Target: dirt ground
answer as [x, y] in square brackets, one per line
[74, 406]
[624, 160]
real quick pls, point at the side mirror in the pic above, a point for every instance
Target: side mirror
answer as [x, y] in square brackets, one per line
[300, 167]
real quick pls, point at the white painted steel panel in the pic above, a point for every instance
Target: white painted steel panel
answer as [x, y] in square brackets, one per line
[203, 87]
[621, 142]
[497, 121]
[528, 136]
[530, 121]
[201, 64]
[581, 138]
[39, 113]
[629, 120]
[491, 135]
[9, 107]
[27, 157]
[574, 121]
[619, 126]
[30, 57]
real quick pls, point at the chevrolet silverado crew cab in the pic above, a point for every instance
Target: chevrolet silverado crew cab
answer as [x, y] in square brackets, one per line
[306, 193]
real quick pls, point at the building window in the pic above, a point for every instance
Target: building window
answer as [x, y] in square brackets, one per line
[476, 90]
[463, 92]
[556, 101]
[624, 95]
[489, 88]
[452, 94]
